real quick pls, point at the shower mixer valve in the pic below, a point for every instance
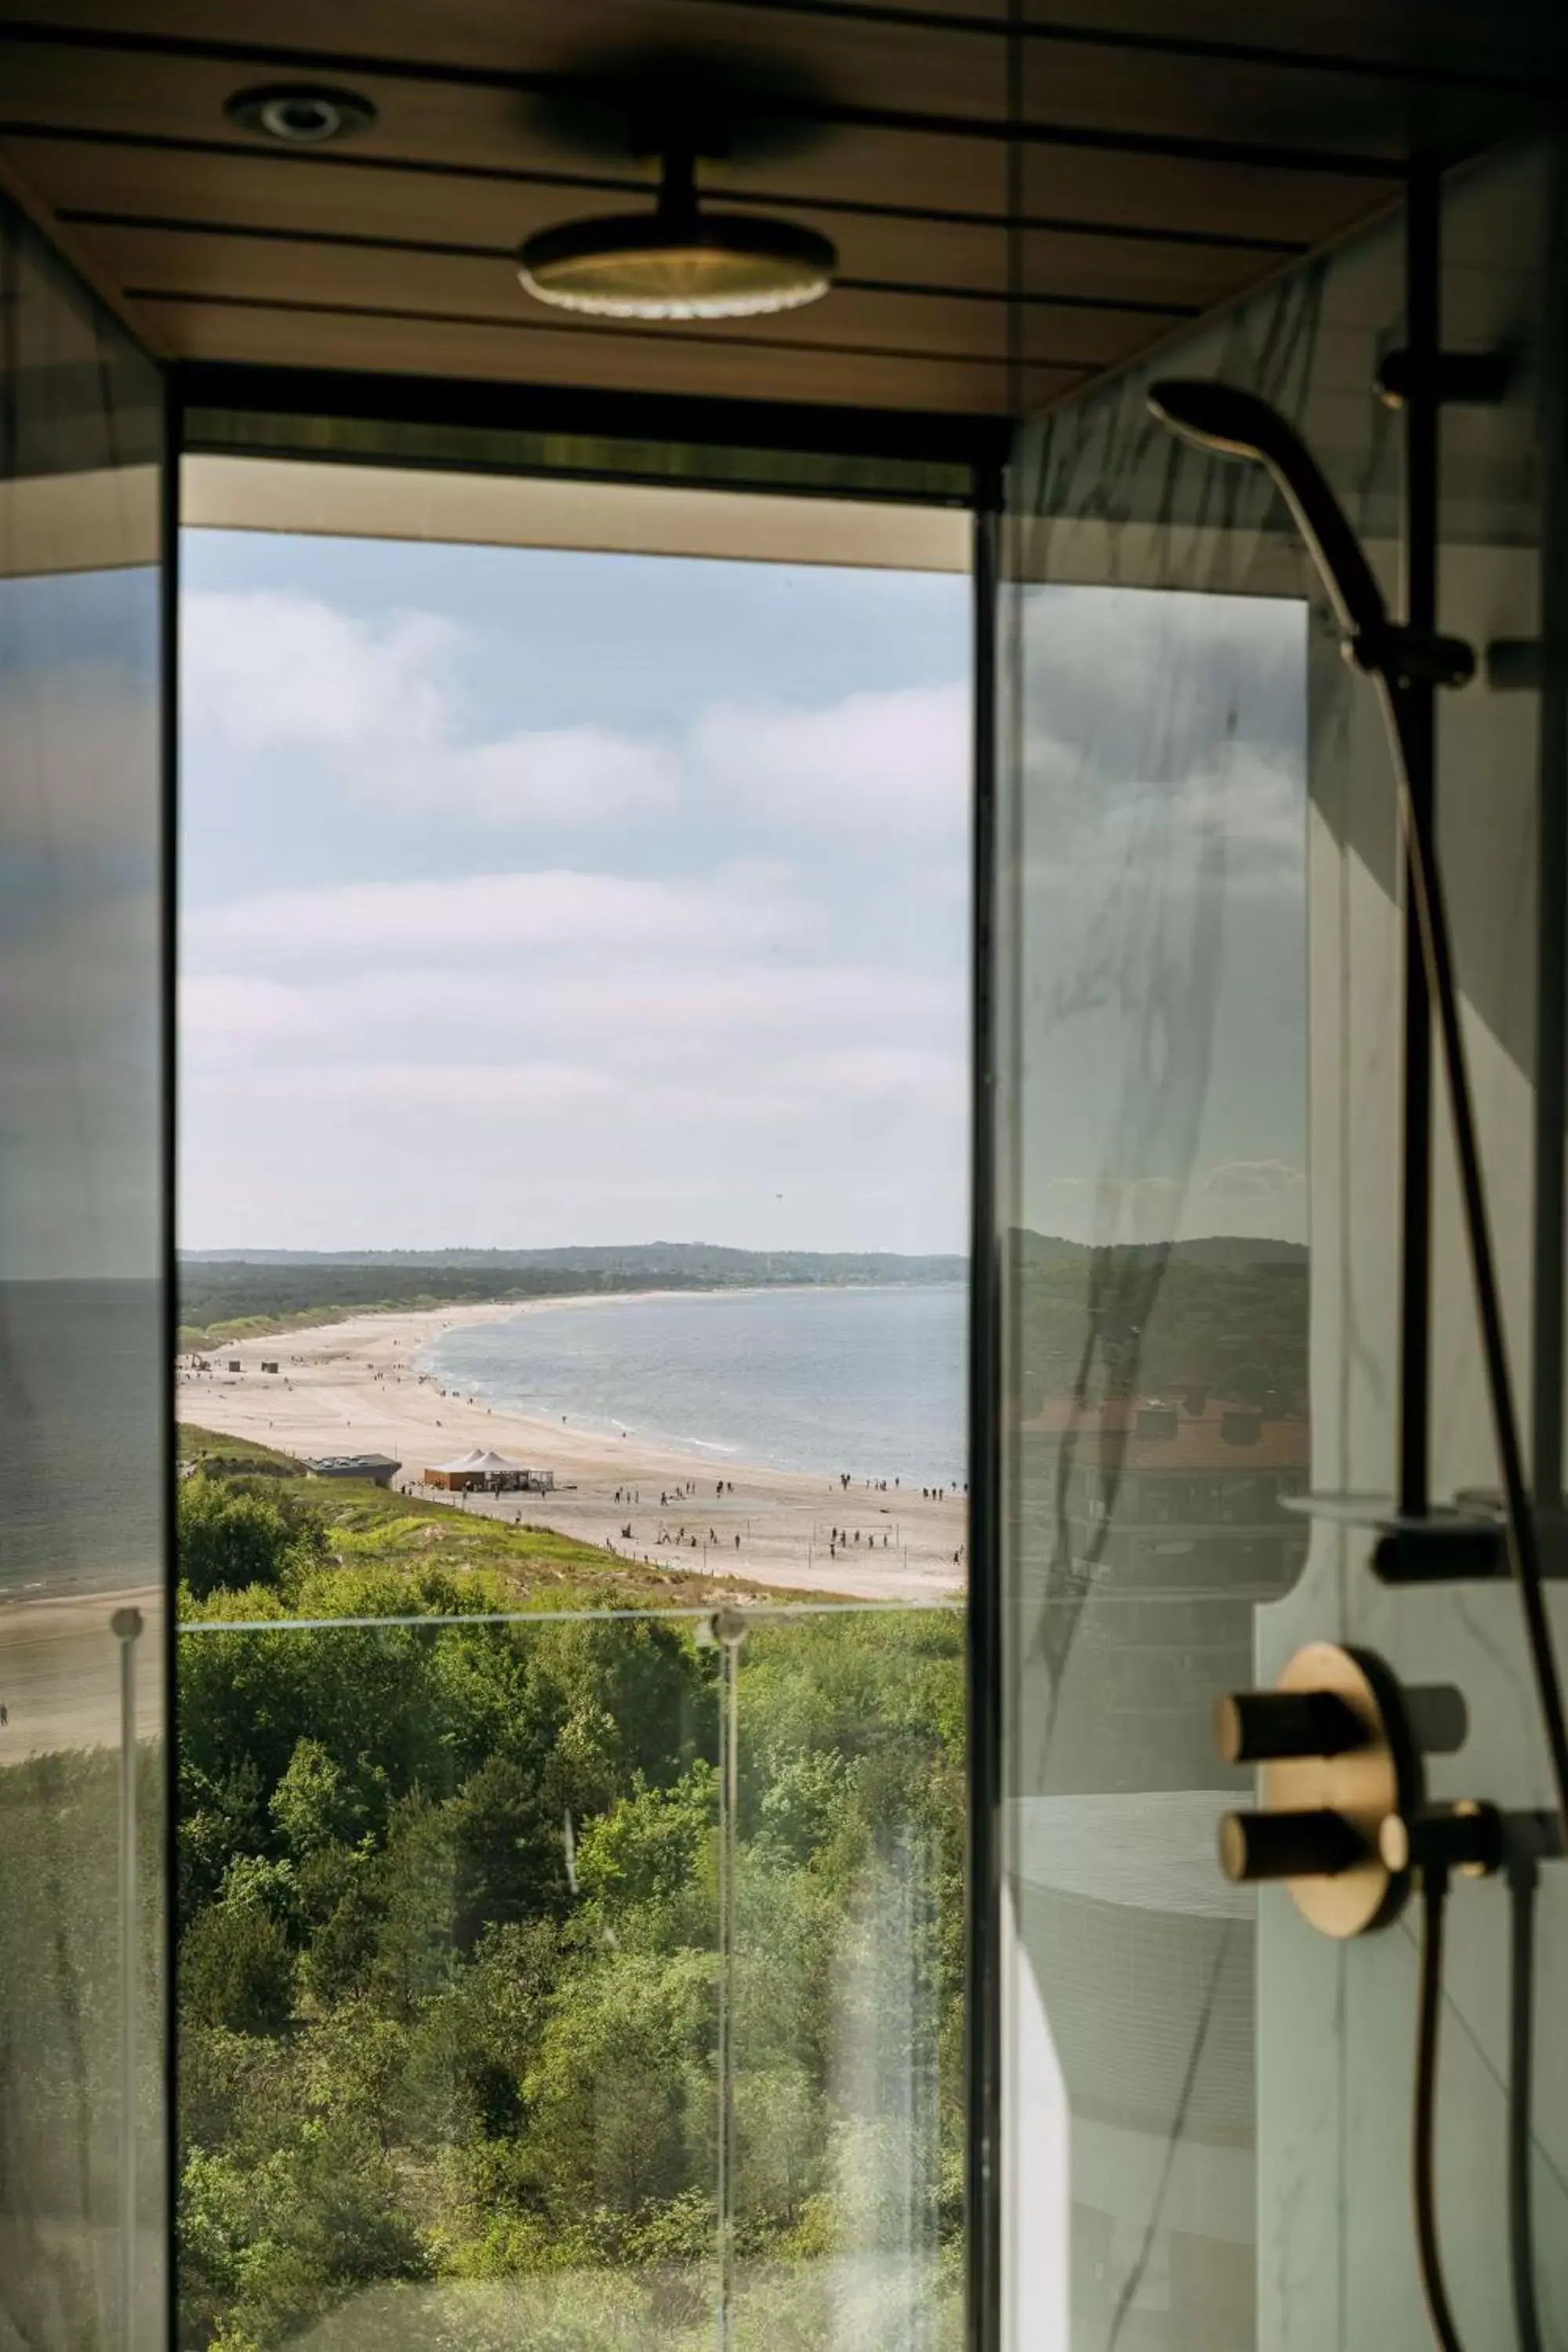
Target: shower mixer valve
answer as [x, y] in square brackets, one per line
[1342, 1818]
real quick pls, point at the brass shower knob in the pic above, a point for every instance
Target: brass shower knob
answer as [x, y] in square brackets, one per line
[1337, 1760]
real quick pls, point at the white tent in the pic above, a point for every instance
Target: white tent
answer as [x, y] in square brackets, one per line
[482, 1467]
[482, 1461]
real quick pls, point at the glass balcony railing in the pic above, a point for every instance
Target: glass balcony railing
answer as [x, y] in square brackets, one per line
[572, 1982]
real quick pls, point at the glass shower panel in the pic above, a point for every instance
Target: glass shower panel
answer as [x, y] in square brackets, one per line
[1158, 1394]
[83, 1360]
[1206, 2104]
[1170, 681]
[841, 2218]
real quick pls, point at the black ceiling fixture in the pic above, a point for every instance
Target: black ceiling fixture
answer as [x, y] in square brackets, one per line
[678, 259]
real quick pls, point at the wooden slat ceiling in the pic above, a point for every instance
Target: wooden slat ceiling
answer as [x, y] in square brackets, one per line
[1123, 168]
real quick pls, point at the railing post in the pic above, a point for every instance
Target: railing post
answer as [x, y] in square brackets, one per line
[727, 1629]
[126, 1626]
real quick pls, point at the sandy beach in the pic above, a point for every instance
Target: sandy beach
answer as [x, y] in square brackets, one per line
[59, 1672]
[354, 1387]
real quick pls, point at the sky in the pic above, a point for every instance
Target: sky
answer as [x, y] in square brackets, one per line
[532, 898]
[81, 964]
[1161, 861]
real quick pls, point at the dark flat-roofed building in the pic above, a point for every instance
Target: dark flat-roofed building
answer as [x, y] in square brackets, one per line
[376, 1469]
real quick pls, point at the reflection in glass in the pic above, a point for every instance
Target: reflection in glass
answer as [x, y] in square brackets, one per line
[81, 1358]
[1156, 1413]
[1208, 2120]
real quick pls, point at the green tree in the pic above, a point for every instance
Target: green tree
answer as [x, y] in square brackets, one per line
[230, 1536]
[237, 1969]
[321, 1801]
[621, 2100]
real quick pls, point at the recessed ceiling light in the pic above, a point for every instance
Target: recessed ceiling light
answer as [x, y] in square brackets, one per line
[678, 261]
[301, 114]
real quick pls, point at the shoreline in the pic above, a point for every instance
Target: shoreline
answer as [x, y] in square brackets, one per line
[354, 1386]
[311, 1320]
[711, 1453]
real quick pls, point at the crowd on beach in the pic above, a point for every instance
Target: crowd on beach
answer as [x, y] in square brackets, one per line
[769, 1527]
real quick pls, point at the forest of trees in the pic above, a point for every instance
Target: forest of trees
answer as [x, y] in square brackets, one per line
[451, 1962]
[233, 1298]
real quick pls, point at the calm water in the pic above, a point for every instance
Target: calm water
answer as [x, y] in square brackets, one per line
[82, 1399]
[870, 1382]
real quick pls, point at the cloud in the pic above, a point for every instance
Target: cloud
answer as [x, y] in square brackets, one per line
[1260, 1199]
[266, 669]
[224, 1016]
[1165, 747]
[729, 1029]
[377, 705]
[485, 914]
[1139, 683]
[411, 1086]
[580, 772]
[707, 1003]
[1254, 1180]
[892, 765]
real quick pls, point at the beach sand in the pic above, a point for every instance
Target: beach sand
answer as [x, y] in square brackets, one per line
[59, 1672]
[353, 1388]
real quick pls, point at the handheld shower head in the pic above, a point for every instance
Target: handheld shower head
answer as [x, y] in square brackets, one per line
[1219, 416]
[1232, 423]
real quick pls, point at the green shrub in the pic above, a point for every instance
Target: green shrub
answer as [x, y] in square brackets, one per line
[237, 1969]
[230, 1536]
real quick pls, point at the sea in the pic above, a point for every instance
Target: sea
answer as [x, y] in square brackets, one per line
[868, 1381]
[83, 1392]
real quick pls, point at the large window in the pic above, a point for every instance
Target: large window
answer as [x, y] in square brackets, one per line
[574, 1211]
